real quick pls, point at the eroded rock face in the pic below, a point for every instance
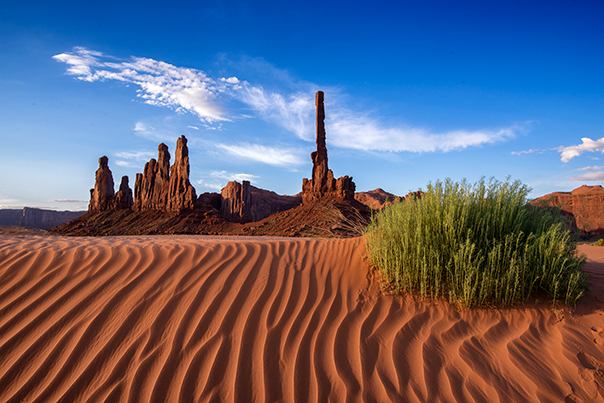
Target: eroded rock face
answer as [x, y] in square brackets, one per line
[123, 197]
[377, 199]
[164, 188]
[323, 185]
[181, 194]
[236, 200]
[242, 202]
[103, 194]
[585, 204]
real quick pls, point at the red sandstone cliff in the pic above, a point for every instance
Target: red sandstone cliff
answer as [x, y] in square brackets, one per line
[585, 204]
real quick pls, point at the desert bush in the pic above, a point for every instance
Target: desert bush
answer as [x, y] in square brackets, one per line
[599, 242]
[479, 244]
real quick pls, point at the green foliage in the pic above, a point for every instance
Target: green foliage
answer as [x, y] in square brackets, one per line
[599, 242]
[480, 244]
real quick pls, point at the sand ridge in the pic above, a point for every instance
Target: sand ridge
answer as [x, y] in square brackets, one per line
[192, 318]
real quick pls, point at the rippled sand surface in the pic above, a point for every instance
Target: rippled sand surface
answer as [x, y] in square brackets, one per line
[190, 318]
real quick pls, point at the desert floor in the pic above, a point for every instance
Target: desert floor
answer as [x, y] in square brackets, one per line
[192, 318]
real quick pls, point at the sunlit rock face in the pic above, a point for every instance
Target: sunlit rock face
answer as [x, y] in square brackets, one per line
[323, 185]
[164, 188]
[103, 195]
[241, 202]
[585, 204]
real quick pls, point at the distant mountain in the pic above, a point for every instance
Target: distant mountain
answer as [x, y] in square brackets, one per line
[31, 217]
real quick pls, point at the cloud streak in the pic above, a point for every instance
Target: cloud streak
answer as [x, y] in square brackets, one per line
[281, 157]
[587, 145]
[290, 107]
[161, 84]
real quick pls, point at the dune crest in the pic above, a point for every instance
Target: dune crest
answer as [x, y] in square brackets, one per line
[188, 318]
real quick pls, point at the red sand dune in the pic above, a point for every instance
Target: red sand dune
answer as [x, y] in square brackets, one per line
[189, 318]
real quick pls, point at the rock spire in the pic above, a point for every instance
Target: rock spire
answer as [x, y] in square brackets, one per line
[165, 188]
[103, 194]
[322, 185]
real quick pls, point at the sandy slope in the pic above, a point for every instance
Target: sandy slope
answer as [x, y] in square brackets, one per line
[169, 319]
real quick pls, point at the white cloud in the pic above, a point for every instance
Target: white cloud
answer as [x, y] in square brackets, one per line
[594, 168]
[532, 150]
[590, 177]
[214, 185]
[133, 159]
[290, 107]
[293, 112]
[259, 153]
[588, 145]
[348, 130]
[229, 176]
[161, 84]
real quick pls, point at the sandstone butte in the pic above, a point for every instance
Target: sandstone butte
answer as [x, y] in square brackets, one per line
[584, 206]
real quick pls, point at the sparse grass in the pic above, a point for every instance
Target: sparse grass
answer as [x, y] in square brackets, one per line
[475, 245]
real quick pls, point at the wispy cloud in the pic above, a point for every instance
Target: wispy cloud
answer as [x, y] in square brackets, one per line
[293, 112]
[531, 151]
[290, 106]
[592, 174]
[594, 168]
[282, 157]
[360, 132]
[67, 201]
[230, 176]
[161, 84]
[587, 145]
[133, 159]
[590, 177]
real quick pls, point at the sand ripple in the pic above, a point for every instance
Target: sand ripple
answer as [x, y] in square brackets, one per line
[197, 319]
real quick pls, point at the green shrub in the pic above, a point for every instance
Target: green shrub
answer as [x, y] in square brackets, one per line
[599, 242]
[480, 244]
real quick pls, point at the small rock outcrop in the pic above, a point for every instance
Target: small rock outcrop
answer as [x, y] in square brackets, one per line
[323, 185]
[236, 201]
[103, 194]
[164, 188]
[242, 202]
[377, 199]
[123, 197]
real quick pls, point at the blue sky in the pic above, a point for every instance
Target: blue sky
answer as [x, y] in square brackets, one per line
[414, 92]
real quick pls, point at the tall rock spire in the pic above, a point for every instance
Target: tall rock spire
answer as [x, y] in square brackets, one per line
[103, 194]
[165, 188]
[322, 184]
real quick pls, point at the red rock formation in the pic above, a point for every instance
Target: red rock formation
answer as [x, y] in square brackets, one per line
[103, 194]
[123, 197]
[181, 194]
[245, 203]
[585, 204]
[322, 185]
[376, 199]
[236, 200]
[164, 188]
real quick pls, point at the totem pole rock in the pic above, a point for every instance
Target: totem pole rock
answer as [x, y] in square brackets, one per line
[322, 185]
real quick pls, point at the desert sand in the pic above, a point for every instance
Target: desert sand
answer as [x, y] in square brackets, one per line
[193, 318]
